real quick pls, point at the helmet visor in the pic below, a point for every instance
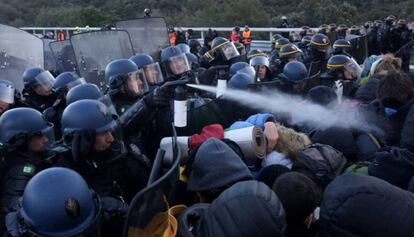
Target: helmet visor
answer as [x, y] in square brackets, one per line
[179, 64]
[43, 83]
[153, 74]
[259, 60]
[77, 81]
[229, 51]
[7, 93]
[135, 83]
[353, 67]
[249, 71]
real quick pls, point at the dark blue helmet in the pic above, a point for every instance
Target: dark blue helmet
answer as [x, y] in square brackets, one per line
[174, 62]
[294, 72]
[184, 48]
[193, 60]
[320, 42]
[87, 115]
[67, 80]
[81, 92]
[35, 77]
[281, 42]
[194, 46]
[235, 67]
[58, 202]
[30, 74]
[119, 71]
[142, 59]
[169, 52]
[224, 49]
[18, 125]
[115, 71]
[240, 81]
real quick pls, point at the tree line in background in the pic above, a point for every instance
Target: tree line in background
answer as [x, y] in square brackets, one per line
[257, 13]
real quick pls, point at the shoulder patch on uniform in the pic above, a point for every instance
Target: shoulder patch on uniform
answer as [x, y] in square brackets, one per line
[28, 169]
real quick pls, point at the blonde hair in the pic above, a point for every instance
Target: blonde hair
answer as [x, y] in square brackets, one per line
[388, 63]
[290, 142]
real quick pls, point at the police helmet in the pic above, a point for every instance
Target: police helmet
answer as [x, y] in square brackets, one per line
[18, 125]
[294, 73]
[67, 80]
[125, 72]
[58, 202]
[81, 92]
[240, 81]
[37, 80]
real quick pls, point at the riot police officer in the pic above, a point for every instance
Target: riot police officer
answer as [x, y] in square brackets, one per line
[57, 202]
[242, 67]
[223, 52]
[343, 69]
[275, 37]
[82, 92]
[278, 45]
[9, 97]
[355, 30]
[386, 35]
[400, 36]
[318, 53]
[63, 83]
[125, 82]
[195, 46]
[374, 38]
[254, 52]
[174, 63]
[341, 46]
[274, 55]
[37, 92]
[152, 70]
[24, 138]
[287, 53]
[341, 31]
[294, 78]
[110, 166]
[304, 44]
[323, 29]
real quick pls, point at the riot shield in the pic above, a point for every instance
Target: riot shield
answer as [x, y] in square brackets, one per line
[359, 48]
[50, 62]
[148, 209]
[19, 51]
[95, 49]
[64, 56]
[148, 35]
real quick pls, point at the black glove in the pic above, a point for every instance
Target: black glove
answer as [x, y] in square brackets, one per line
[113, 207]
[160, 97]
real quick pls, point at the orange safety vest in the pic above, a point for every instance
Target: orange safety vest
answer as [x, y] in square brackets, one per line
[61, 36]
[173, 38]
[246, 36]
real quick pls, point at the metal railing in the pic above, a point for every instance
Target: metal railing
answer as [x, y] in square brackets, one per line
[256, 44]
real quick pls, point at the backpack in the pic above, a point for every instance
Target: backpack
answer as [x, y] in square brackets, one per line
[320, 162]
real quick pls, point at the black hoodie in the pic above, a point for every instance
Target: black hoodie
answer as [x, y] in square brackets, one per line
[396, 164]
[216, 165]
[359, 205]
[246, 209]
